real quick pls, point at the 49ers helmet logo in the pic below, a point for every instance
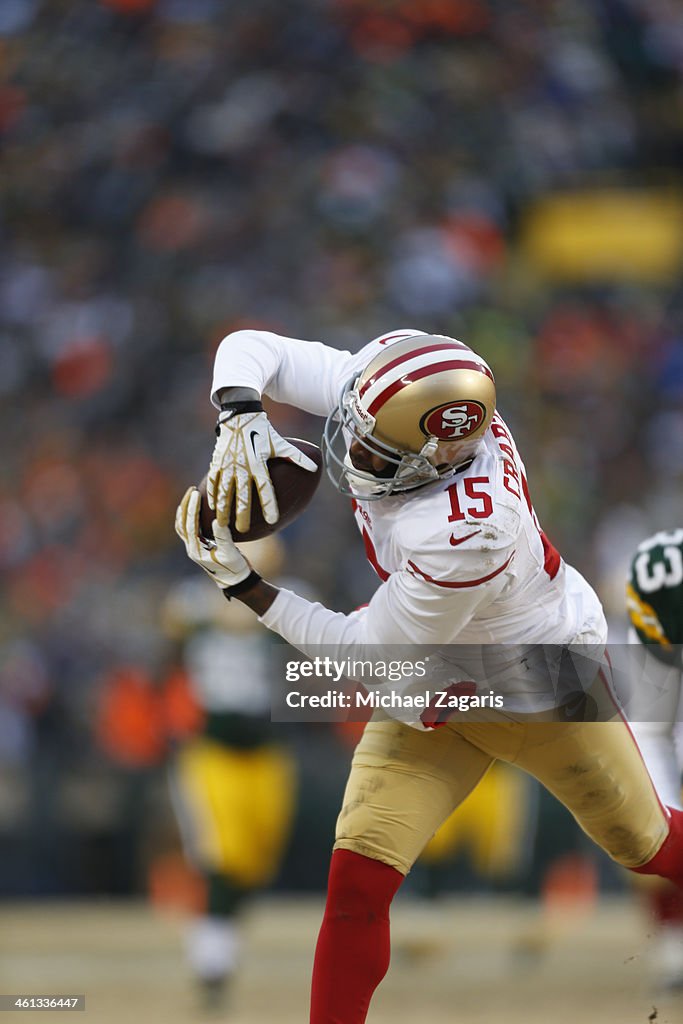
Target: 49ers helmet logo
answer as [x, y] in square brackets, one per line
[453, 421]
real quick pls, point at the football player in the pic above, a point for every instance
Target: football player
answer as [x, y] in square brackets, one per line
[441, 499]
[655, 607]
[232, 782]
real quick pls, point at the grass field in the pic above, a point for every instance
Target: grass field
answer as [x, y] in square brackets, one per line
[458, 961]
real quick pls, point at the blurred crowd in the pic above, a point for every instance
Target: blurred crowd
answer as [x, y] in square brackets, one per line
[172, 170]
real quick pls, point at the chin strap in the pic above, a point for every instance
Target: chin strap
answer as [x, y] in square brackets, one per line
[458, 469]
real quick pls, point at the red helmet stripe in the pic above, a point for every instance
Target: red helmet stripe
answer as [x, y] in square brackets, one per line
[425, 371]
[392, 337]
[440, 347]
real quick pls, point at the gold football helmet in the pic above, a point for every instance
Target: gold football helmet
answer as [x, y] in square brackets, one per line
[422, 405]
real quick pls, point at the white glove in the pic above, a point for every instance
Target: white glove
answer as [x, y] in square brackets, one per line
[245, 443]
[220, 558]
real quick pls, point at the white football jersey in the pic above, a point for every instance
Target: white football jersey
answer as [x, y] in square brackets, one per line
[462, 560]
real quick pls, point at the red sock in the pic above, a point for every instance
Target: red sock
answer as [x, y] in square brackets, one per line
[352, 955]
[668, 861]
[666, 904]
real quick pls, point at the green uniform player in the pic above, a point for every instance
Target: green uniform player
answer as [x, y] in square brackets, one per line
[655, 595]
[655, 607]
[233, 784]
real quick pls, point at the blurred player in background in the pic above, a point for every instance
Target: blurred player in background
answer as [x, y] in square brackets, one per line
[443, 505]
[655, 608]
[232, 782]
[490, 827]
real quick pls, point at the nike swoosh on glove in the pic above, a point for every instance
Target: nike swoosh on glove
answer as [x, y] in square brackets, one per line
[220, 558]
[244, 444]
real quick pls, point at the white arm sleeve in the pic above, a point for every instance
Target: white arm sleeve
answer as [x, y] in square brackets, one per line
[403, 610]
[306, 374]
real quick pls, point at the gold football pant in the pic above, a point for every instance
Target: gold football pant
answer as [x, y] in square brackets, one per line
[404, 783]
[234, 808]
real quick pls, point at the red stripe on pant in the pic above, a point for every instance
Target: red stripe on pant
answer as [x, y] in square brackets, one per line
[668, 861]
[352, 955]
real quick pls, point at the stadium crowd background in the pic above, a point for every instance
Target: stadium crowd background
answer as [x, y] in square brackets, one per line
[171, 170]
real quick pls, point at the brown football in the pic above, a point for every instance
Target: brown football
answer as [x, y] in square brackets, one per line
[294, 488]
